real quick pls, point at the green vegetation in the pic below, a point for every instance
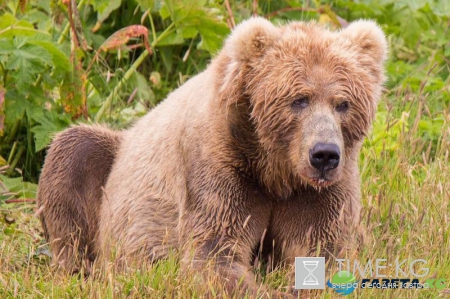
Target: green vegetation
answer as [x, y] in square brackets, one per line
[95, 67]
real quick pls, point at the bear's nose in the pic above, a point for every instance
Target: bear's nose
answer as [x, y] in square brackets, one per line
[324, 156]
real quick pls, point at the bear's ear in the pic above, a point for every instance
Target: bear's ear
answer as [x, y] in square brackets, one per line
[250, 39]
[370, 41]
[242, 50]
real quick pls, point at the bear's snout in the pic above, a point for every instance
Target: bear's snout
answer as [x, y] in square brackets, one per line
[324, 157]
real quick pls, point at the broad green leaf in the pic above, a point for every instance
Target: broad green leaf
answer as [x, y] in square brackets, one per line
[172, 39]
[10, 27]
[16, 105]
[6, 46]
[18, 186]
[441, 7]
[191, 16]
[43, 136]
[188, 32]
[45, 5]
[164, 12]
[105, 11]
[7, 20]
[99, 5]
[49, 124]
[412, 4]
[146, 4]
[27, 61]
[414, 30]
[59, 58]
[212, 33]
[36, 16]
[28, 53]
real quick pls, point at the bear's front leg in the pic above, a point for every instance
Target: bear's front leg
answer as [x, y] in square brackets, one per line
[316, 221]
[222, 221]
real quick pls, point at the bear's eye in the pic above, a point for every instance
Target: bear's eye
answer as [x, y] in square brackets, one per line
[342, 107]
[300, 103]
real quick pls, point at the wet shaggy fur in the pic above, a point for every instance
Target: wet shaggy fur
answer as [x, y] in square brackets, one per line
[70, 191]
[222, 167]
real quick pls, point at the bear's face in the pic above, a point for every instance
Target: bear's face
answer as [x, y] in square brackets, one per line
[312, 92]
[303, 117]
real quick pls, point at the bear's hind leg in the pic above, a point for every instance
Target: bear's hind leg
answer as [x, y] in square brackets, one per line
[76, 168]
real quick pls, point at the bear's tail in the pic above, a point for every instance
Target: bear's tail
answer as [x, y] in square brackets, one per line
[76, 169]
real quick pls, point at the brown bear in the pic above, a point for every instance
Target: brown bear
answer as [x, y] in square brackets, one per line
[260, 150]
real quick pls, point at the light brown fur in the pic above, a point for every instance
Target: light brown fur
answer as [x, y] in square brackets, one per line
[224, 159]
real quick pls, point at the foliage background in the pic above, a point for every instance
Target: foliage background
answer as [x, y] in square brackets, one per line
[64, 62]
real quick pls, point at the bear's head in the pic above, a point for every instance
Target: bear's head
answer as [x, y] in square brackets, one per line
[311, 95]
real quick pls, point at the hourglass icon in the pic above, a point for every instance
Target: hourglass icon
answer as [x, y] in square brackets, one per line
[310, 279]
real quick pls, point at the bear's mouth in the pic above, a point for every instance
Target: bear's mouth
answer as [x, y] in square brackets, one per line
[321, 182]
[318, 179]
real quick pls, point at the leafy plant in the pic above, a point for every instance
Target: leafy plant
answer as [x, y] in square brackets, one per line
[57, 72]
